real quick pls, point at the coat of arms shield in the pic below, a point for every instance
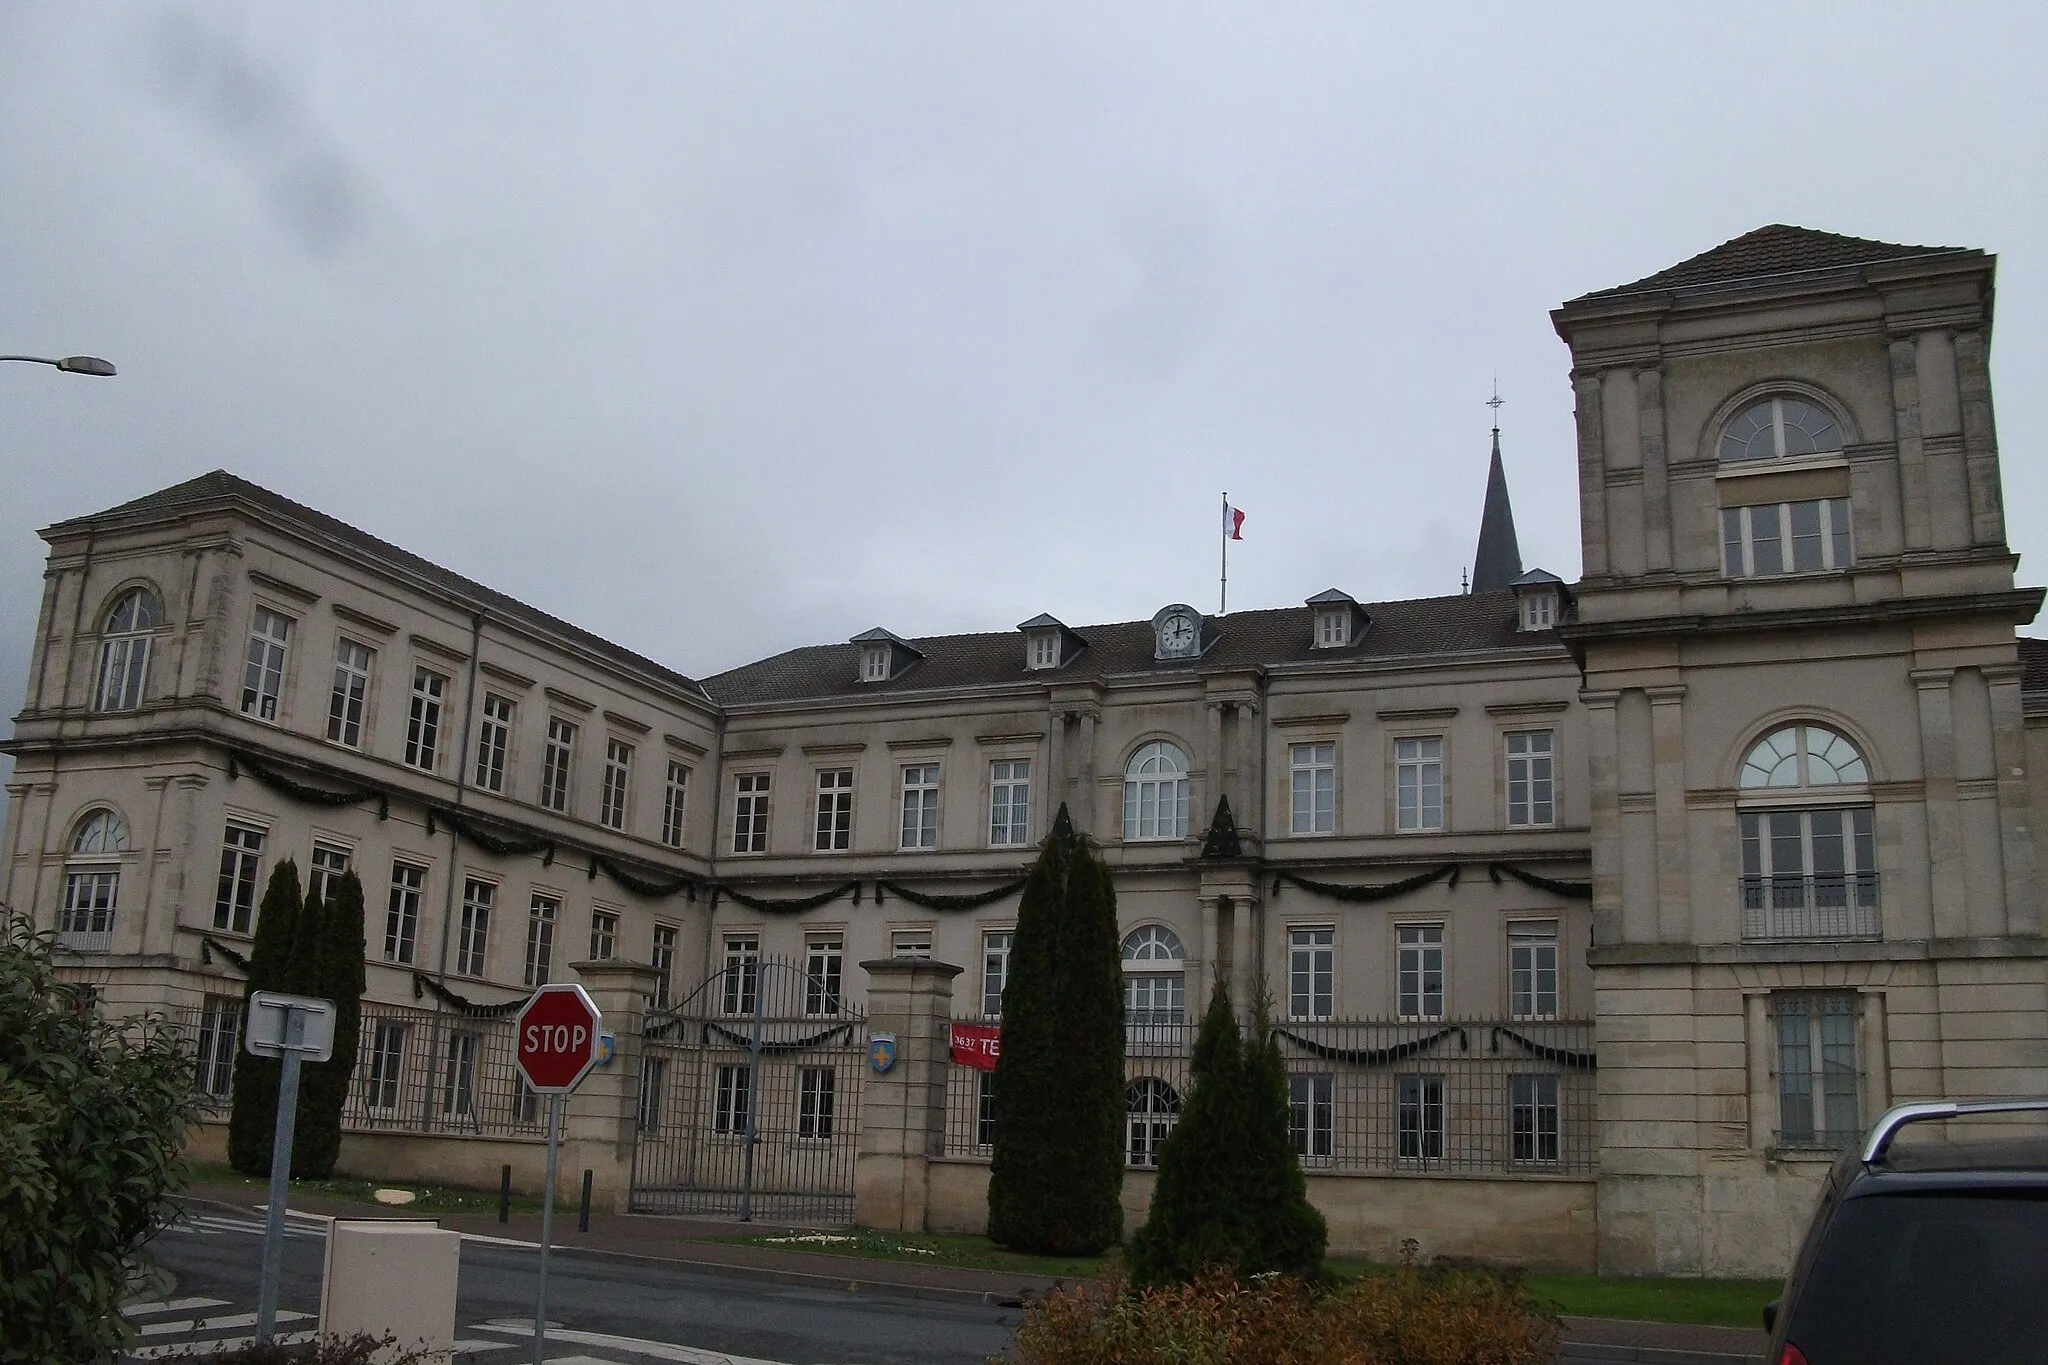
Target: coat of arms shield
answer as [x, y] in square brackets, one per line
[882, 1052]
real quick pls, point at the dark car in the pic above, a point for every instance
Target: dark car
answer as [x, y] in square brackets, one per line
[1924, 1251]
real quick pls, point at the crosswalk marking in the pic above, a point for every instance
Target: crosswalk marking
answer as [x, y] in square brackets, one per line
[137, 1308]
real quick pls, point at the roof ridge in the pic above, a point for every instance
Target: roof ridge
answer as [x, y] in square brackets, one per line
[1774, 249]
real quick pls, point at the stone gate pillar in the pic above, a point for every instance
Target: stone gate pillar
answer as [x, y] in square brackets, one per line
[903, 1110]
[598, 1120]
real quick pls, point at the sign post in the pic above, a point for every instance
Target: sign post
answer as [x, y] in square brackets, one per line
[558, 1043]
[294, 1028]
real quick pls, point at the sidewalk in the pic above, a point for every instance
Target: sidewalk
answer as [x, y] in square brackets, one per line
[683, 1242]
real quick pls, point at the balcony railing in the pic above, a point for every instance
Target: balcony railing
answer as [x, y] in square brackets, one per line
[86, 940]
[1830, 905]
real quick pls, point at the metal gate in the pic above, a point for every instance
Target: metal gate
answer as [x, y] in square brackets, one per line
[749, 1097]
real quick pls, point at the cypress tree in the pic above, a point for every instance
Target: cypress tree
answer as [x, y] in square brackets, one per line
[1057, 1173]
[252, 1115]
[316, 1146]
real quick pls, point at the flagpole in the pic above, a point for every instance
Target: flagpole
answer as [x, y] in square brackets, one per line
[1223, 576]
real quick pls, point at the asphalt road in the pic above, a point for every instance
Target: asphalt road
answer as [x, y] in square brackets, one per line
[727, 1314]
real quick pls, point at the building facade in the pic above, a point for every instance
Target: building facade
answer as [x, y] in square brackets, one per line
[1593, 916]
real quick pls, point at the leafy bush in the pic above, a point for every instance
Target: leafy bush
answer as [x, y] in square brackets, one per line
[359, 1348]
[252, 1120]
[92, 1120]
[1414, 1316]
[323, 1093]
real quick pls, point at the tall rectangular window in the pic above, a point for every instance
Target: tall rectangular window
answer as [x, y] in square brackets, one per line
[387, 1061]
[1533, 1118]
[473, 944]
[1818, 1075]
[263, 679]
[557, 758]
[1531, 783]
[664, 963]
[423, 724]
[220, 1036]
[1419, 1117]
[1532, 970]
[1420, 971]
[835, 810]
[985, 1111]
[604, 935]
[750, 813]
[402, 915]
[1311, 972]
[1313, 805]
[673, 796]
[234, 897]
[540, 939]
[1809, 873]
[740, 978]
[1786, 537]
[458, 1075]
[1009, 802]
[921, 805]
[653, 1079]
[351, 688]
[493, 740]
[815, 1095]
[995, 971]
[1419, 783]
[329, 866]
[618, 781]
[823, 954]
[733, 1100]
[1311, 1110]
[89, 906]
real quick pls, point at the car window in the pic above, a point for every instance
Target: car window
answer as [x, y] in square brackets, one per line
[1950, 1275]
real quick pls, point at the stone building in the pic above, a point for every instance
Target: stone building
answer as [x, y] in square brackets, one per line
[1594, 916]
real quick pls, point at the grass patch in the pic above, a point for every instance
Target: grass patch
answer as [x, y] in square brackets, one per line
[973, 1253]
[427, 1198]
[1712, 1303]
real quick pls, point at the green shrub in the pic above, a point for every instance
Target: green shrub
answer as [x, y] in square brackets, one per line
[337, 946]
[358, 1348]
[252, 1118]
[92, 1119]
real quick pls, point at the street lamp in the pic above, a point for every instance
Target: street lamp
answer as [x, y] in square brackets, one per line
[70, 364]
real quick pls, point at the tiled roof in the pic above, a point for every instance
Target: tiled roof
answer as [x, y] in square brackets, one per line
[1243, 639]
[1778, 249]
[2033, 664]
[221, 489]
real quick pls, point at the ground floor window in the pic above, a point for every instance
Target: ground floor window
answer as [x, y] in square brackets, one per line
[653, 1073]
[816, 1091]
[1419, 1117]
[1818, 1077]
[1533, 1117]
[458, 1078]
[732, 1099]
[1151, 1108]
[220, 1036]
[1310, 1110]
[387, 1056]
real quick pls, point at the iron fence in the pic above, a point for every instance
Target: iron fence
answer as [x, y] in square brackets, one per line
[213, 1030]
[418, 1071]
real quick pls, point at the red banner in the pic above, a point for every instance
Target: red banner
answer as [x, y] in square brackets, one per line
[977, 1045]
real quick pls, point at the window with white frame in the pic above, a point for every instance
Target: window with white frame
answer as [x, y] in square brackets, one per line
[351, 690]
[1809, 847]
[92, 882]
[816, 1093]
[458, 1075]
[824, 960]
[834, 831]
[1539, 609]
[234, 897]
[995, 971]
[1419, 783]
[1419, 1117]
[750, 813]
[387, 1063]
[910, 943]
[324, 873]
[1009, 802]
[1532, 780]
[1155, 977]
[1312, 805]
[1311, 1111]
[493, 741]
[1532, 969]
[1151, 1108]
[1419, 970]
[1819, 1079]
[874, 664]
[472, 945]
[1311, 971]
[1777, 428]
[263, 678]
[1045, 649]
[1156, 793]
[220, 1034]
[675, 793]
[423, 721]
[124, 651]
[920, 805]
[402, 912]
[1809, 536]
[557, 761]
[618, 782]
[739, 982]
[1333, 629]
[663, 959]
[540, 938]
[604, 935]
[733, 1099]
[1533, 1124]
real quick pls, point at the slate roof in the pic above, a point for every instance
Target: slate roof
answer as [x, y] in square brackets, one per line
[1243, 639]
[1498, 560]
[221, 490]
[1777, 249]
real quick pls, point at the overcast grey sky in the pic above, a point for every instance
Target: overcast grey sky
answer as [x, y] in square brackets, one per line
[722, 328]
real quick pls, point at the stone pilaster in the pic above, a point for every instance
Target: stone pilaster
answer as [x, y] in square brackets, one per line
[599, 1119]
[903, 1110]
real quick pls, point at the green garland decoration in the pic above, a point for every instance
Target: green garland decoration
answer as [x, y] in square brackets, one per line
[422, 985]
[1357, 894]
[209, 945]
[639, 887]
[932, 901]
[490, 843]
[1375, 1056]
[795, 905]
[1582, 1061]
[793, 1045]
[299, 791]
[1578, 891]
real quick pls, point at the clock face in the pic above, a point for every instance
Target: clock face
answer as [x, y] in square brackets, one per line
[1177, 634]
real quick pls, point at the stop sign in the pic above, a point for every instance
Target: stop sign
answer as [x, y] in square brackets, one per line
[556, 1033]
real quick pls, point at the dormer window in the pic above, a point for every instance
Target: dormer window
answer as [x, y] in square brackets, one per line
[1338, 619]
[882, 656]
[1333, 628]
[1048, 643]
[1539, 600]
[1045, 650]
[1539, 611]
[874, 664]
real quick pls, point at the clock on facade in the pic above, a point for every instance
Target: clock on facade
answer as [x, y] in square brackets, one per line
[1177, 632]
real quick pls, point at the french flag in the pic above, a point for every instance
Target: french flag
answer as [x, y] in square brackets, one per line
[1233, 522]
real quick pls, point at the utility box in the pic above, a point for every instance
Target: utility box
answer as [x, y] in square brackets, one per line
[393, 1275]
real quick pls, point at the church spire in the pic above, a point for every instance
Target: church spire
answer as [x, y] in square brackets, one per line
[1498, 561]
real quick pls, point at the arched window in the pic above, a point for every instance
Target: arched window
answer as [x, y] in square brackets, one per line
[1779, 427]
[1809, 868]
[92, 882]
[1155, 977]
[124, 651]
[1151, 1108]
[1156, 793]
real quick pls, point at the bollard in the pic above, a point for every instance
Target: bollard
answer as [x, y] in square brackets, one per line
[583, 1213]
[505, 1194]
